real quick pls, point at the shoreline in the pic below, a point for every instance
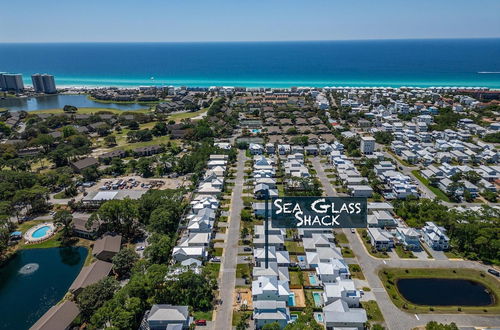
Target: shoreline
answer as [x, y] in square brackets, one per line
[281, 85]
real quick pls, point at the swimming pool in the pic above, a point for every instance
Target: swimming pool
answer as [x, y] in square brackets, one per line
[317, 299]
[291, 300]
[294, 317]
[319, 317]
[40, 232]
[256, 130]
[312, 279]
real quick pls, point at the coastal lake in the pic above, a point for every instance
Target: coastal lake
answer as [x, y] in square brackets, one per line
[59, 101]
[444, 292]
[33, 281]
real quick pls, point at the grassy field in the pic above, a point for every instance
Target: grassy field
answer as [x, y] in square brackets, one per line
[218, 252]
[356, 271]
[341, 237]
[372, 311]
[90, 111]
[213, 269]
[389, 277]
[438, 192]
[347, 252]
[295, 281]
[294, 247]
[185, 115]
[122, 102]
[243, 270]
[238, 315]
[402, 253]
[203, 315]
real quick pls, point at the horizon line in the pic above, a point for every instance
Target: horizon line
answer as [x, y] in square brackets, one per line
[248, 41]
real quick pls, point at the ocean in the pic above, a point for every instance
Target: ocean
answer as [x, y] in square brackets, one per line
[419, 63]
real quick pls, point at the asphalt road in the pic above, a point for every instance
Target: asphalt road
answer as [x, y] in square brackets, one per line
[224, 313]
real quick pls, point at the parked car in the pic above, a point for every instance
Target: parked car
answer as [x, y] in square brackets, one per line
[200, 322]
[494, 272]
[353, 231]
[215, 259]
[247, 249]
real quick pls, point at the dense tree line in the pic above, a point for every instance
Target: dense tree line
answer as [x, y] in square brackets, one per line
[475, 234]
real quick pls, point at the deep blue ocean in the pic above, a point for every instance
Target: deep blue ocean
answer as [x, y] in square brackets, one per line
[456, 62]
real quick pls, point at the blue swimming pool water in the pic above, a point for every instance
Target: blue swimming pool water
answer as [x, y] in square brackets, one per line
[40, 232]
[291, 300]
[317, 298]
[312, 279]
[319, 317]
[255, 130]
[294, 317]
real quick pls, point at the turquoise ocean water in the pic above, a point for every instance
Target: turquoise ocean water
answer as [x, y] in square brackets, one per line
[447, 62]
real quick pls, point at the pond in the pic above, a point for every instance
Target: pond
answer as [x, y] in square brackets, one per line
[33, 281]
[444, 292]
[59, 101]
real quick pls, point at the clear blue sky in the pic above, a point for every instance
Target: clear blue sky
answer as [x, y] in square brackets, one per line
[248, 20]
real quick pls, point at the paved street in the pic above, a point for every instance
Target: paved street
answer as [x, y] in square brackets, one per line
[224, 313]
[394, 317]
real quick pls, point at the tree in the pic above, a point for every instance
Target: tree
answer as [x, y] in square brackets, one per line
[120, 216]
[65, 219]
[68, 131]
[244, 233]
[133, 125]
[90, 173]
[159, 249]
[189, 288]
[383, 137]
[110, 140]
[144, 167]
[93, 296]
[433, 325]
[271, 326]
[123, 262]
[160, 129]
[70, 109]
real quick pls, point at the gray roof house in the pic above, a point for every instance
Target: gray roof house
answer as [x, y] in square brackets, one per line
[166, 317]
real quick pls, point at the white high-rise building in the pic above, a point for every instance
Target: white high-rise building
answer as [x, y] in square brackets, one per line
[367, 145]
[13, 82]
[37, 83]
[43, 83]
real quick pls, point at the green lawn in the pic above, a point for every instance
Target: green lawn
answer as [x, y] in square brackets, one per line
[89, 111]
[347, 252]
[295, 279]
[203, 315]
[243, 270]
[341, 237]
[213, 269]
[294, 247]
[54, 241]
[218, 251]
[356, 271]
[186, 115]
[438, 192]
[372, 311]
[402, 253]
[238, 315]
[390, 276]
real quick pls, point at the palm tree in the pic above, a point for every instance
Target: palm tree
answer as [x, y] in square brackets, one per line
[64, 218]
